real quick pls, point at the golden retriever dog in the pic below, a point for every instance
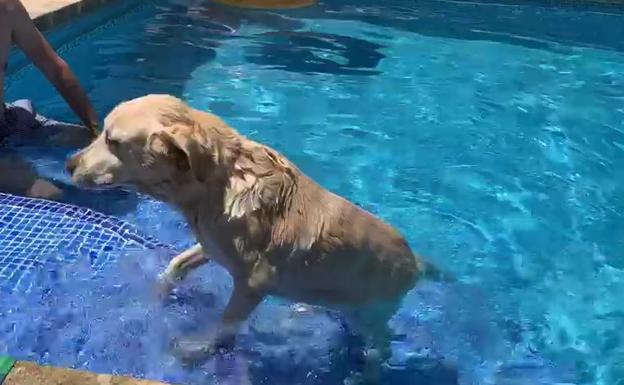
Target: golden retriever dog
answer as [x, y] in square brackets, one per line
[275, 230]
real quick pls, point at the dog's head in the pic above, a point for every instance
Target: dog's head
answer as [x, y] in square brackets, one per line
[157, 144]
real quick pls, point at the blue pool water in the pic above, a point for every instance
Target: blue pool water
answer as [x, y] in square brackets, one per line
[490, 134]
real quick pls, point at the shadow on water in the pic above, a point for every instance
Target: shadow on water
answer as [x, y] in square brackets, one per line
[172, 44]
[529, 24]
[314, 52]
[287, 47]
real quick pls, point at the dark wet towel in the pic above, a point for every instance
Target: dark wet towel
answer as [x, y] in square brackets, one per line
[21, 120]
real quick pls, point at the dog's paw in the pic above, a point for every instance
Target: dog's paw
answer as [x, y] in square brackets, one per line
[195, 351]
[164, 286]
[44, 190]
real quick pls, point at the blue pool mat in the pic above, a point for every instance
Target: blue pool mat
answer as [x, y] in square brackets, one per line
[35, 231]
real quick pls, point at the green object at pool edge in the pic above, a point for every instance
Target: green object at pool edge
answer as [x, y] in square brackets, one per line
[6, 364]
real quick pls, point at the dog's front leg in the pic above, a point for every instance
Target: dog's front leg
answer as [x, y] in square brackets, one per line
[180, 266]
[246, 296]
[242, 303]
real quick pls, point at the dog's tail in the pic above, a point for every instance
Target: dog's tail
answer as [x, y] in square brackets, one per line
[434, 273]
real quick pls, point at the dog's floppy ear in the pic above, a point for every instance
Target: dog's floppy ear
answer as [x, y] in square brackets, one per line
[187, 148]
[262, 180]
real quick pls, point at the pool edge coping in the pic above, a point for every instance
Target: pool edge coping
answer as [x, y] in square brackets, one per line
[52, 14]
[29, 373]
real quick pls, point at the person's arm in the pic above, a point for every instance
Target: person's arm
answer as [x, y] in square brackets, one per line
[55, 69]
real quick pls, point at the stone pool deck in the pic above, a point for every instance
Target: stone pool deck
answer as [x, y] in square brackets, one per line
[50, 13]
[26, 373]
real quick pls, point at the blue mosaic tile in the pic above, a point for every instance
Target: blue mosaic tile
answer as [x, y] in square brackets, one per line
[34, 231]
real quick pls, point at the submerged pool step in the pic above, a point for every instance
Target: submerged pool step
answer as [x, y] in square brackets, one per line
[27, 373]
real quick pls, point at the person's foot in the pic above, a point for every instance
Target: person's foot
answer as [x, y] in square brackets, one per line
[44, 190]
[19, 177]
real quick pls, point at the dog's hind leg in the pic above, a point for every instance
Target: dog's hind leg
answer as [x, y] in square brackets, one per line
[180, 266]
[242, 303]
[371, 323]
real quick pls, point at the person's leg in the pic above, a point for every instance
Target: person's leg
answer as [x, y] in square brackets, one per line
[18, 177]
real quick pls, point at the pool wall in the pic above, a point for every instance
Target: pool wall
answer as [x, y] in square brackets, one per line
[63, 21]
[50, 13]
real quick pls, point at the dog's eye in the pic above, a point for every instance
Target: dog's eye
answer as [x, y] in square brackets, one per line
[111, 142]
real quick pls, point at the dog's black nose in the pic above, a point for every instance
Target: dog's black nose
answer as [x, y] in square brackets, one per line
[72, 163]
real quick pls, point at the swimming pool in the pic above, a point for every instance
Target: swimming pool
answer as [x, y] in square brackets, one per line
[491, 134]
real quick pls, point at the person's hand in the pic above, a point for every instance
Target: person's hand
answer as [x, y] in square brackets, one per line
[91, 122]
[94, 129]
